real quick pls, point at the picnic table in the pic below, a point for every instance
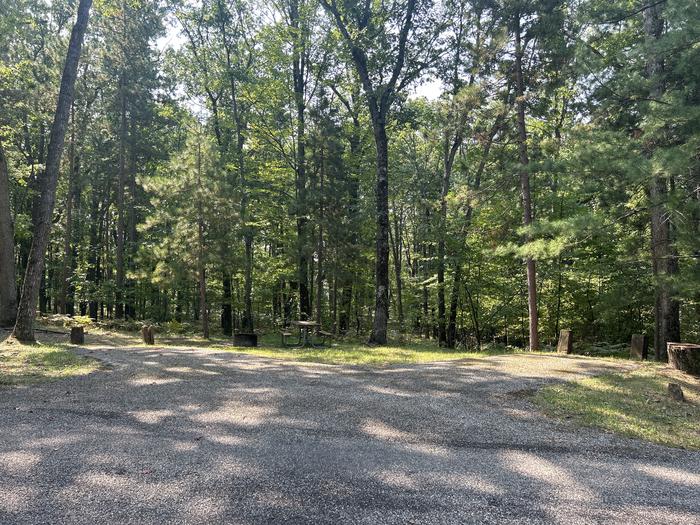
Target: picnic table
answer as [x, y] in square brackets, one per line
[306, 332]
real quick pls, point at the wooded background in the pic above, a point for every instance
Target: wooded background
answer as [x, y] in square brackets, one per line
[233, 165]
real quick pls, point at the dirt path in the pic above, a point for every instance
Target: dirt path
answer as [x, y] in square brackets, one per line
[194, 436]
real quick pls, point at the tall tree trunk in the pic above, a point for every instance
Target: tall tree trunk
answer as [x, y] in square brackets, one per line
[345, 307]
[43, 298]
[226, 303]
[106, 237]
[334, 301]
[353, 211]
[450, 151]
[451, 336]
[131, 247]
[525, 186]
[226, 310]
[121, 181]
[299, 66]
[319, 249]
[381, 297]
[201, 269]
[473, 309]
[247, 321]
[97, 223]
[66, 300]
[24, 326]
[319, 277]
[379, 99]
[240, 128]
[457, 276]
[397, 244]
[425, 318]
[663, 254]
[8, 286]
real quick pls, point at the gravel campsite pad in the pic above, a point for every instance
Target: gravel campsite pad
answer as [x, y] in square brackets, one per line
[194, 436]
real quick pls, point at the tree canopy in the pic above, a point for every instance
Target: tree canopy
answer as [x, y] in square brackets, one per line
[473, 171]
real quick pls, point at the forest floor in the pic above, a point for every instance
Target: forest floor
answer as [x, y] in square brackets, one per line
[197, 435]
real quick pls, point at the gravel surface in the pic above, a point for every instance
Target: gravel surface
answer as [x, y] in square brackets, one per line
[195, 436]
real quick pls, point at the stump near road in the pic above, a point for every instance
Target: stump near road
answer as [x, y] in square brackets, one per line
[147, 334]
[77, 335]
[684, 357]
[566, 342]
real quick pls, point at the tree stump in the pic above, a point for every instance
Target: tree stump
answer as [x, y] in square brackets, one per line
[147, 334]
[639, 347]
[684, 357]
[676, 392]
[566, 342]
[77, 335]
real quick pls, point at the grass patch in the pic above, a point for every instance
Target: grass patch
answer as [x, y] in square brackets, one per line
[635, 404]
[603, 349]
[358, 353]
[23, 364]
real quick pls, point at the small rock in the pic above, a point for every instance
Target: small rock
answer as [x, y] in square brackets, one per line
[676, 392]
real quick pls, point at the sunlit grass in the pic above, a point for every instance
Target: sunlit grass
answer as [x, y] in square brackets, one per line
[22, 363]
[635, 404]
[359, 353]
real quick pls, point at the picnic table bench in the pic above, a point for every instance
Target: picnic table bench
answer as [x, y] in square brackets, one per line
[306, 333]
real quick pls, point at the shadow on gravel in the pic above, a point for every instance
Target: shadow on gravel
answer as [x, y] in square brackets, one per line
[208, 437]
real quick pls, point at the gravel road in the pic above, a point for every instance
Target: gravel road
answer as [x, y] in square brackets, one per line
[195, 436]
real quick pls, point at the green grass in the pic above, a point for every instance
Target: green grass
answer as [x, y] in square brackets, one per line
[23, 364]
[358, 353]
[635, 404]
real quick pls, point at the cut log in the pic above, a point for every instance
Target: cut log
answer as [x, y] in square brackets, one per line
[77, 335]
[566, 342]
[639, 347]
[684, 357]
[147, 334]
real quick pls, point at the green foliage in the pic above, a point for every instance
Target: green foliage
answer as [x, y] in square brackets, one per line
[219, 101]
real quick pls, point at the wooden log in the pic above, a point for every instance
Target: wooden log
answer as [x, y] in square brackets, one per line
[639, 347]
[684, 357]
[147, 334]
[144, 334]
[566, 342]
[77, 335]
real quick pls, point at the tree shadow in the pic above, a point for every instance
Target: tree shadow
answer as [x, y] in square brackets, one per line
[170, 435]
